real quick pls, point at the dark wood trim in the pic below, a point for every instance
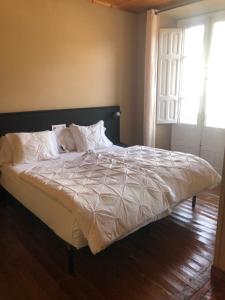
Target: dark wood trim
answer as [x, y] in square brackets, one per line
[217, 273]
[220, 237]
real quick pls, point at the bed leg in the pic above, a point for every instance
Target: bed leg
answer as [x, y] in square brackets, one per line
[71, 253]
[194, 198]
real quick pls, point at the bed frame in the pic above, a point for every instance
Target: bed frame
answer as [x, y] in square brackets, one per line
[43, 120]
[31, 121]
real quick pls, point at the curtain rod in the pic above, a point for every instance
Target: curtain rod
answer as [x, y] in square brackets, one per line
[176, 6]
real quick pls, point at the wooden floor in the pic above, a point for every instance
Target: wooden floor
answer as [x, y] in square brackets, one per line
[169, 259]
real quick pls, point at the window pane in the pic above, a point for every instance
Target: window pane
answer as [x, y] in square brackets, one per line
[192, 74]
[215, 100]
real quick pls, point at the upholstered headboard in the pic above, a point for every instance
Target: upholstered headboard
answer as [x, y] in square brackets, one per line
[43, 120]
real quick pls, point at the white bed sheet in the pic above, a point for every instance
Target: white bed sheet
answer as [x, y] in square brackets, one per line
[56, 214]
[51, 212]
[114, 192]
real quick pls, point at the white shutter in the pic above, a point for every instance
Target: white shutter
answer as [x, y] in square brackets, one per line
[169, 69]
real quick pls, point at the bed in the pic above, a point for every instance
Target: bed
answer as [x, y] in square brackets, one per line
[101, 195]
[42, 205]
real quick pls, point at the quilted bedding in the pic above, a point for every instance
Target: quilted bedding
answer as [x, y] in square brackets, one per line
[112, 193]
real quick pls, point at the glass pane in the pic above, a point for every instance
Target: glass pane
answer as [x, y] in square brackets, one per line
[192, 74]
[215, 99]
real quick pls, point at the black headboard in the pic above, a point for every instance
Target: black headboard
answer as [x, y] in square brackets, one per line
[43, 120]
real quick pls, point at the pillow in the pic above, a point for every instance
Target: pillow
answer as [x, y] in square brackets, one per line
[65, 141]
[90, 137]
[31, 147]
[5, 151]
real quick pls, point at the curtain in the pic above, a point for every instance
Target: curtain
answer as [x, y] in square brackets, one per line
[150, 78]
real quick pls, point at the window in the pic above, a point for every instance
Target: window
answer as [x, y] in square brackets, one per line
[192, 64]
[215, 95]
[198, 74]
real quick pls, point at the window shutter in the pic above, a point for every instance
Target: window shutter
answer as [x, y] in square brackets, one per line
[169, 69]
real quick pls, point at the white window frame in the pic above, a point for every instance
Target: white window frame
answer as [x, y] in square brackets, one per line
[206, 20]
[168, 85]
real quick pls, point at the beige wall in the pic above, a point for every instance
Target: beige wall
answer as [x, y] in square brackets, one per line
[163, 132]
[70, 53]
[67, 53]
[141, 29]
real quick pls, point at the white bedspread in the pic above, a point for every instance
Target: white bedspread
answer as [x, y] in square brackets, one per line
[114, 193]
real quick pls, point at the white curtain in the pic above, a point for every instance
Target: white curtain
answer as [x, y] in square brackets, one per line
[150, 78]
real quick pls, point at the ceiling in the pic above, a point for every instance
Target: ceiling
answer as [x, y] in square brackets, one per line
[142, 5]
[196, 9]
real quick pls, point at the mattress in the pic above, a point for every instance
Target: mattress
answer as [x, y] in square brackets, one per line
[98, 197]
[51, 212]
[55, 215]
[59, 219]
[113, 192]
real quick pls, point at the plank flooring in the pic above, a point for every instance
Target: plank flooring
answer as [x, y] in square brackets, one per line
[170, 259]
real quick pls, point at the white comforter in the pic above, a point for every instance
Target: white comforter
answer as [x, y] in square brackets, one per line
[113, 193]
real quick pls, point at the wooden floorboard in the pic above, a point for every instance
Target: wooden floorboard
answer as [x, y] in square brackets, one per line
[170, 259]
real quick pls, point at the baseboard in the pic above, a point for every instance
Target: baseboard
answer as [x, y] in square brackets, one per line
[217, 272]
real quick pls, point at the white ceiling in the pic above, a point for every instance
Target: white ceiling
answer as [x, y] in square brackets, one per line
[199, 8]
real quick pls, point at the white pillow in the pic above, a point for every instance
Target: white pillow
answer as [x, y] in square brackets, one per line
[65, 140]
[5, 151]
[90, 137]
[31, 147]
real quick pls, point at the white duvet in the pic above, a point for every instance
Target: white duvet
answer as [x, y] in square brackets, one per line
[112, 193]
